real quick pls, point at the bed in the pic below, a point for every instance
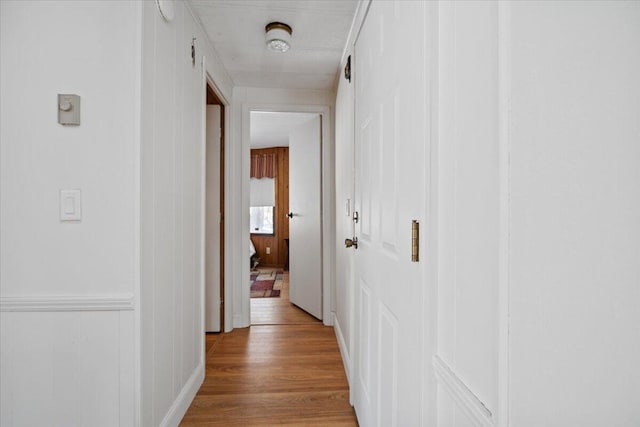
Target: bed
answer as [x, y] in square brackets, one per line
[253, 255]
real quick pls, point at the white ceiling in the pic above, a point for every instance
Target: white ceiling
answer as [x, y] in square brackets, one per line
[273, 129]
[320, 30]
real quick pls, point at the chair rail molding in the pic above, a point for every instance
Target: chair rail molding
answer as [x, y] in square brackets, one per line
[48, 303]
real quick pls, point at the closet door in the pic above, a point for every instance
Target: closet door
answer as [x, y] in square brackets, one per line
[390, 194]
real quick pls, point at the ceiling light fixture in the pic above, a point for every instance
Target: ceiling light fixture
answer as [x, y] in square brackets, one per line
[278, 36]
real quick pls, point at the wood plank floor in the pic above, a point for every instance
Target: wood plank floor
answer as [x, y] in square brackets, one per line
[278, 311]
[274, 374]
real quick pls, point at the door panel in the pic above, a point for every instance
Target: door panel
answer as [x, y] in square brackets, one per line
[305, 226]
[366, 151]
[365, 341]
[390, 183]
[389, 178]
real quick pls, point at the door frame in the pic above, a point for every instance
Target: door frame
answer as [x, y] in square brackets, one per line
[227, 315]
[326, 182]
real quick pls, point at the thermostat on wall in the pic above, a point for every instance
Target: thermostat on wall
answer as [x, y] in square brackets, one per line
[68, 109]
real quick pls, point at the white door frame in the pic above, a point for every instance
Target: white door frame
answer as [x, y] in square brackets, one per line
[327, 202]
[207, 79]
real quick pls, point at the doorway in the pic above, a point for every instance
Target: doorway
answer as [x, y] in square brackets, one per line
[285, 217]
[214, 212]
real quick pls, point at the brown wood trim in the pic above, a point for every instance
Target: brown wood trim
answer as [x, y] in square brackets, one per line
[212, 99]
[222, 217]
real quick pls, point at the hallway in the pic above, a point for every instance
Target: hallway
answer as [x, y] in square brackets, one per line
[286, 369]
[479, 192]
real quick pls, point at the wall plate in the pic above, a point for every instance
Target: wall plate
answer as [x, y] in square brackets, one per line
[70, 205]
[68, 109]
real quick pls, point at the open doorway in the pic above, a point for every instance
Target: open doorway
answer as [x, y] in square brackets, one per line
[285, 217]
[214, 213]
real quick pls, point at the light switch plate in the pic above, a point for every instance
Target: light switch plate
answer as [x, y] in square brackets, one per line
[70, 205]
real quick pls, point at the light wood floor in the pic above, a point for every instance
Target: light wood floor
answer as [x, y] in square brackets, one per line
[287, 370]
[278, 311]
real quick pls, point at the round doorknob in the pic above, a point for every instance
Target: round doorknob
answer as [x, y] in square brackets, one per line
[351, 243]
[290, 214]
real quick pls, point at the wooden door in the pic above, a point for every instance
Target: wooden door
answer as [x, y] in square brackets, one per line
[390, 192]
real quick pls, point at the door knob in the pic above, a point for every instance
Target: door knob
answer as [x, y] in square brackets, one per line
[290, 214]
[351, 242]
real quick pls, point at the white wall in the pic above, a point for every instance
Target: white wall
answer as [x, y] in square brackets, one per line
[67, 289]
[468, 207]
[172, 159]
[287, 100]
[538, 207]
[575, 214]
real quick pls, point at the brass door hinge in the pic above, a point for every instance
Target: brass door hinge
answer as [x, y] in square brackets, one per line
[415, 241]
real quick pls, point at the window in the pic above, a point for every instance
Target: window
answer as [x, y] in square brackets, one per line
[261, 219]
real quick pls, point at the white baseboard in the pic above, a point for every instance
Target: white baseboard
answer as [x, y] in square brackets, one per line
[342, 345]
[466, 400]
[239, 322]
[329, 320]
[184, 399]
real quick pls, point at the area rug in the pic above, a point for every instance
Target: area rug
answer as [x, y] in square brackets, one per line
[266, 284]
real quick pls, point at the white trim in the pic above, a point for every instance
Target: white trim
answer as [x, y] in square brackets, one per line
[430, 266]
[218, 70]
[137, 224]
[203, 210]
[124, 302]
[328, 228]
[461, 394]
[229, 320]
[184, 399]
[208, 75]
[504, 108]
[328, 196]
[228, 224]
[354, 31]
[356, 25]
[342, 345]
[237, 321]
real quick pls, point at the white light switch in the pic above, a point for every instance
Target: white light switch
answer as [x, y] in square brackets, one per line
[70, 205]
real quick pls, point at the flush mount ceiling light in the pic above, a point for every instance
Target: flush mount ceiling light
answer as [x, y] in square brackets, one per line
[278, 36]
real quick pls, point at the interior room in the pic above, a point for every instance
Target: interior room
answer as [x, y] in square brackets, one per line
[270, 216]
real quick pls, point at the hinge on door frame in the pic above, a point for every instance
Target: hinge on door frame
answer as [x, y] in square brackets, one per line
[356, 217]
[193, 52]
[347, 69]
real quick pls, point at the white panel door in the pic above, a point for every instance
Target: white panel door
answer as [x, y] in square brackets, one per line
[390, 192]
[305, 239]
[212, 253]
